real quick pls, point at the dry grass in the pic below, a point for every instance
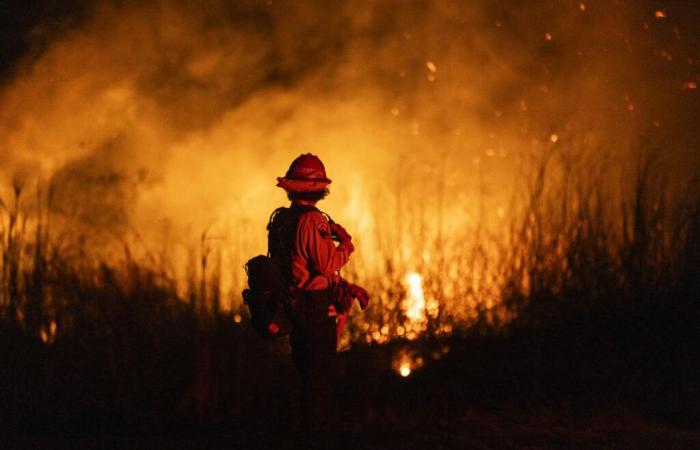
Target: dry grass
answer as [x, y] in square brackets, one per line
[592, 286]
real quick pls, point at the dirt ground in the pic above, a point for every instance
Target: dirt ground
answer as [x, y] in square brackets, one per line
[504, 430]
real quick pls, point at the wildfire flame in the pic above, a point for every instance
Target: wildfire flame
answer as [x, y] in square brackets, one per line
[416, 307]
[134, 150]
[415, 302]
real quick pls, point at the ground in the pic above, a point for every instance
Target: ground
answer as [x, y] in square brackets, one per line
[475, 430]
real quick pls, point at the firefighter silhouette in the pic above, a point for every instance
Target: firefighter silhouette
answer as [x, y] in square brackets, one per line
[310, 250]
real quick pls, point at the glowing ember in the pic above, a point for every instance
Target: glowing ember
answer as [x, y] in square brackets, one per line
[689, 85]
[48, 336]
[431, 66]
[405, 361]
[553, 138]
[237, 318]
[666, 55]
[548, 36]
[582, 6]
[659, 14]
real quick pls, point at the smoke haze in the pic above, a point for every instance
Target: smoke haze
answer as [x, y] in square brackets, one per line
[160, 122]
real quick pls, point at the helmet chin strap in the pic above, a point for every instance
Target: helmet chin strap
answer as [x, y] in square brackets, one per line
[305, 202]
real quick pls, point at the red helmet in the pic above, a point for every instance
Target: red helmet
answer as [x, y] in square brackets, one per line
[305, 174]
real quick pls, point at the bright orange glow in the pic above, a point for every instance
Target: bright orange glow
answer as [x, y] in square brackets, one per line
[160, 131]
[415, 302]
[48, 335]
[406, 361]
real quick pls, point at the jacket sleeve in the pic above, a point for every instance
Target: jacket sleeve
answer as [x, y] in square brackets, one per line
[314, 243]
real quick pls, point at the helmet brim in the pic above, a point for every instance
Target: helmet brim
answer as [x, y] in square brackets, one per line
[292, 185]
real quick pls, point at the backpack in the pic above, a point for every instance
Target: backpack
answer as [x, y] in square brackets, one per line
[270, 292]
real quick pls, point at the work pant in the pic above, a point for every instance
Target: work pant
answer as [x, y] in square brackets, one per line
[314, 346]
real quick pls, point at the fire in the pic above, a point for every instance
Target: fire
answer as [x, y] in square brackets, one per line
[415, 301]
[416, 307]
[48, 335]
[406, 361]
[118, 130]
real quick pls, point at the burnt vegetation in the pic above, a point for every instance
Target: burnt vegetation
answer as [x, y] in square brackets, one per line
[598, 311]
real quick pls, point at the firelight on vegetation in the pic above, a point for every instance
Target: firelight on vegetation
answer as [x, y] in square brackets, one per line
[432, 117]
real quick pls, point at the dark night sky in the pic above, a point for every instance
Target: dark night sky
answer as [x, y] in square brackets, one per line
[21, 23]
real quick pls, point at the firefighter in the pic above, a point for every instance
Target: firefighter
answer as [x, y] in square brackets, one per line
[311, 249]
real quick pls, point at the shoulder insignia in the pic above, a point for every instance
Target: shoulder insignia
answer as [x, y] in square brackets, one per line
[324, 229]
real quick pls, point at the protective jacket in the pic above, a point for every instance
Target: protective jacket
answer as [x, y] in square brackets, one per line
[301, 242]
[316, 258]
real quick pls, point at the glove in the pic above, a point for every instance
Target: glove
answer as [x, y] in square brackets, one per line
[360, 294]
[339, 231]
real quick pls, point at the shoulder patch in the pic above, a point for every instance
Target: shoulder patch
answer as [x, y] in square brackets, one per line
[324, 229]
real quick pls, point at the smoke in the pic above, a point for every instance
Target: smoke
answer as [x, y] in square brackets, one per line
[169, 119]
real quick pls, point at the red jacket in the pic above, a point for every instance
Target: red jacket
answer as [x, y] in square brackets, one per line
[316, 256]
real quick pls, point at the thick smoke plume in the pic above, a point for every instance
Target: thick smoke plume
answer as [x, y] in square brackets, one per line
[166, 123]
